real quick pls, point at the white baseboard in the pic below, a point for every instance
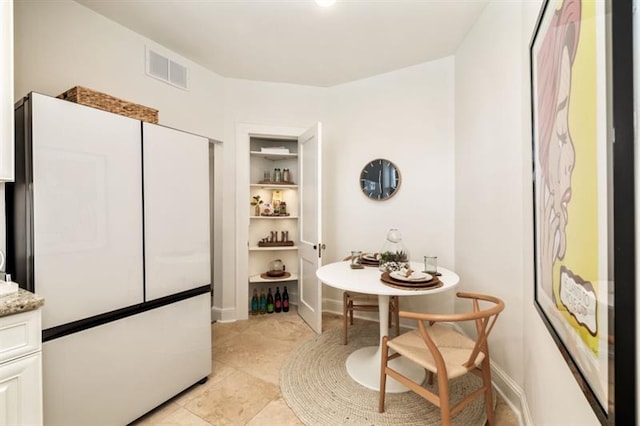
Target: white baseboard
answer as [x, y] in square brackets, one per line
[223, 315]
[332, 306]
[512, 394]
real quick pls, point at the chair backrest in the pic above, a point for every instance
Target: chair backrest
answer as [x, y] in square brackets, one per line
[484, 320]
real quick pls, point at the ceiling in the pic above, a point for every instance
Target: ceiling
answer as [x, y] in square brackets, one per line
[296, 41]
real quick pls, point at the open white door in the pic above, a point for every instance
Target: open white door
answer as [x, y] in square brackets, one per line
[310, 223]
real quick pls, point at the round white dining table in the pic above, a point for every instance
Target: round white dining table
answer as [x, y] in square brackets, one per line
[363, 365]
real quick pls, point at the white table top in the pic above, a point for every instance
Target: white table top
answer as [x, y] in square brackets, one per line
[367, 280]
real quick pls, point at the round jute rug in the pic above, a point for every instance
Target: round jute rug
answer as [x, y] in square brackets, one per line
[315, 384]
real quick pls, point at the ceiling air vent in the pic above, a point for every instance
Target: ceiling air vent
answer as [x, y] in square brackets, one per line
[163, 68]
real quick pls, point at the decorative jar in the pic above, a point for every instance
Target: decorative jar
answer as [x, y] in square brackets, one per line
[394, 256]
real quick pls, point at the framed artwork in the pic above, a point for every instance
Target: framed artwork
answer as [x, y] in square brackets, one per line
[581, 58]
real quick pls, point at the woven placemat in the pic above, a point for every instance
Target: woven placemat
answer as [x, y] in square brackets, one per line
[403, 285]
[314, 382]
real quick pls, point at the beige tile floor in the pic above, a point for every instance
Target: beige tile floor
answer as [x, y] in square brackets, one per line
[243, 388]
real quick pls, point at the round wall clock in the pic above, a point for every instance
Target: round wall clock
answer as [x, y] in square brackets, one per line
[379, 179]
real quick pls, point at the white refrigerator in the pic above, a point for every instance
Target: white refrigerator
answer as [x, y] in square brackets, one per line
[108, 220]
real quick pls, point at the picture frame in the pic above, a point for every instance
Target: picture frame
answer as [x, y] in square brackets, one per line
[581, 69]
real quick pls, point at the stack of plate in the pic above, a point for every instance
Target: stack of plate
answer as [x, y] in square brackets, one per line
[415, 280]
[369, 259]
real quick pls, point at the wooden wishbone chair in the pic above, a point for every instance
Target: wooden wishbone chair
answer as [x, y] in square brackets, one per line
[361, 302]
[442, 351]
[352, 301]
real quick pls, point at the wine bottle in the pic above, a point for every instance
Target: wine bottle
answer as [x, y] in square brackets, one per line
[255, 303]
[278, 300]
[285, 300]
[269, 302]
[263, 302]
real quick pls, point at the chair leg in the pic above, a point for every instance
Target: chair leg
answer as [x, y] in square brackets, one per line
[443, 393]
[430, 377]
[345, 301]
[383, 374]
[351, 312]
[488, 395]
[396, 314]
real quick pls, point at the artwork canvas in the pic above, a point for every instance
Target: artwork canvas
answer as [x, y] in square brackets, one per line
[573, 164]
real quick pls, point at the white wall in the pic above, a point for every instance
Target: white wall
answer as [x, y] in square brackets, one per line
[405, 116]
[493, 210]
[489, 222]
[64, 44]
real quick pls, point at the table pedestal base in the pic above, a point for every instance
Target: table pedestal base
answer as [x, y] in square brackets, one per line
[363, 366]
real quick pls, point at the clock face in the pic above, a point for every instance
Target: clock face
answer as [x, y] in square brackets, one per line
[379, 179]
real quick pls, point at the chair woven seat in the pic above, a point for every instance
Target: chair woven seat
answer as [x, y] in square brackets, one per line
[454, 347]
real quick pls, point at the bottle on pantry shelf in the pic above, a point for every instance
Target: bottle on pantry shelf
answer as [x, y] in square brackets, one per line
[278, 301]
[277, 175]
[255, 303]
[269, 302]
[286, 175]
[285, 300]
[283, 207]
[263, 302]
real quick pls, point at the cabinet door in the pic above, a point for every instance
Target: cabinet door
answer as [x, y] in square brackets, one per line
[6, 91]
[176, 211]
[87, 210]
[21, 391]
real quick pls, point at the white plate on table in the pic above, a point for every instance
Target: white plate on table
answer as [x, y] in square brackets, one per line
[415, 276]
[370, 257]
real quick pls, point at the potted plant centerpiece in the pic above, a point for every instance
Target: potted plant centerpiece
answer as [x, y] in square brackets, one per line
[394, 261]
[394, 256]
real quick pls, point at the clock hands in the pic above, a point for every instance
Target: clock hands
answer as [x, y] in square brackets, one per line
[375, 190]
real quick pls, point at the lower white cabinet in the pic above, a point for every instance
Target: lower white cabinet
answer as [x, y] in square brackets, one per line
[20, 391]
[20, 370]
